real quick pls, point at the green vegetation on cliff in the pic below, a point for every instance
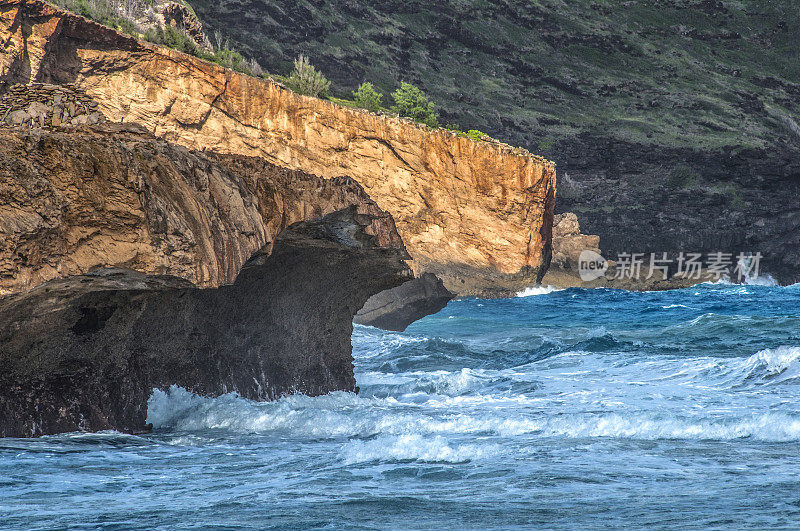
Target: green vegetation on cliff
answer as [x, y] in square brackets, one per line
[307, 80]
[410, 101]
[140, 18]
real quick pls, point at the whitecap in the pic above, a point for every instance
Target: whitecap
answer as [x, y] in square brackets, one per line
[762, 280]
[414, 447]
[538, 290]
[782, 362]
[773, 427]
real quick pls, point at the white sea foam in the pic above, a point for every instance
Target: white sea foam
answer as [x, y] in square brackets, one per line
[762, 280]
[450, 383]
[178, 409]
[720, 282]
[775, 427]
[766, 367]
[429, 415]
[779, 364]
[415, 447]
[403, 428]
[538, 290]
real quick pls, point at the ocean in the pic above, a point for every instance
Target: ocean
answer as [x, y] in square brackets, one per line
[574, 409]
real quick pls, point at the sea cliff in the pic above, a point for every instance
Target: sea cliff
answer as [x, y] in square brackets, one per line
[75, 199]
[477, 214]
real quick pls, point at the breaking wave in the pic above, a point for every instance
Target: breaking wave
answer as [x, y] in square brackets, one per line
[538, 290]
[405, 416]
[414, 447]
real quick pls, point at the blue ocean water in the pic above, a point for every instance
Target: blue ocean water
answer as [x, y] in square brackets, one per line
[565, 409]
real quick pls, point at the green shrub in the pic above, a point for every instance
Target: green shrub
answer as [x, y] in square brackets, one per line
[412, 102]
[177, 39]
[681, 177]
[474, 134]
[174, 38]
[307, 80]
[231, 59]
[117, 14]
[368, 98]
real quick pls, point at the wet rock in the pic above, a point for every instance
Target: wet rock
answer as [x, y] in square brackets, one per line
[398, 307]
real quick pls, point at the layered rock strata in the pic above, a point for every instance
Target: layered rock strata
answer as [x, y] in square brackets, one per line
[477, 214]
[76, 199]
[84, 353]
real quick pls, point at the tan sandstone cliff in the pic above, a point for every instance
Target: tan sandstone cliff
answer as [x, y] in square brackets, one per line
[477, 214]
[76, 199]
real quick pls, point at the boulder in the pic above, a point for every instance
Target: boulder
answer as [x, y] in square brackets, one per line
[18, 117]
[398, 307]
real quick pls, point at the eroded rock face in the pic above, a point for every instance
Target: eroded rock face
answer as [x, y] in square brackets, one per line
[84, 353]
[42, 106]
[398, 307]
[568, 245]
[569, 242]
[476, 214]
[75, 199]
[179, 15]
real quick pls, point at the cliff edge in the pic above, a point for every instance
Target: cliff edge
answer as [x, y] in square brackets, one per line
[476, 214]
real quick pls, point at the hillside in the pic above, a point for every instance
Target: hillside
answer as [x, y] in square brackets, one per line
[674, 122]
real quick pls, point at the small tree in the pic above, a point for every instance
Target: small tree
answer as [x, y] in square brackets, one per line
[307, 80]
[412, 102]
[255, 68]
[367, 97]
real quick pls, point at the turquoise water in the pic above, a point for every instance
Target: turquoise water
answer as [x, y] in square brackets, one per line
[570, 409]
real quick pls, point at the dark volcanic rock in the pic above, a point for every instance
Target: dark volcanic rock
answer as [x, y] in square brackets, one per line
[398, 307]
[642, 201]
[85, 353]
